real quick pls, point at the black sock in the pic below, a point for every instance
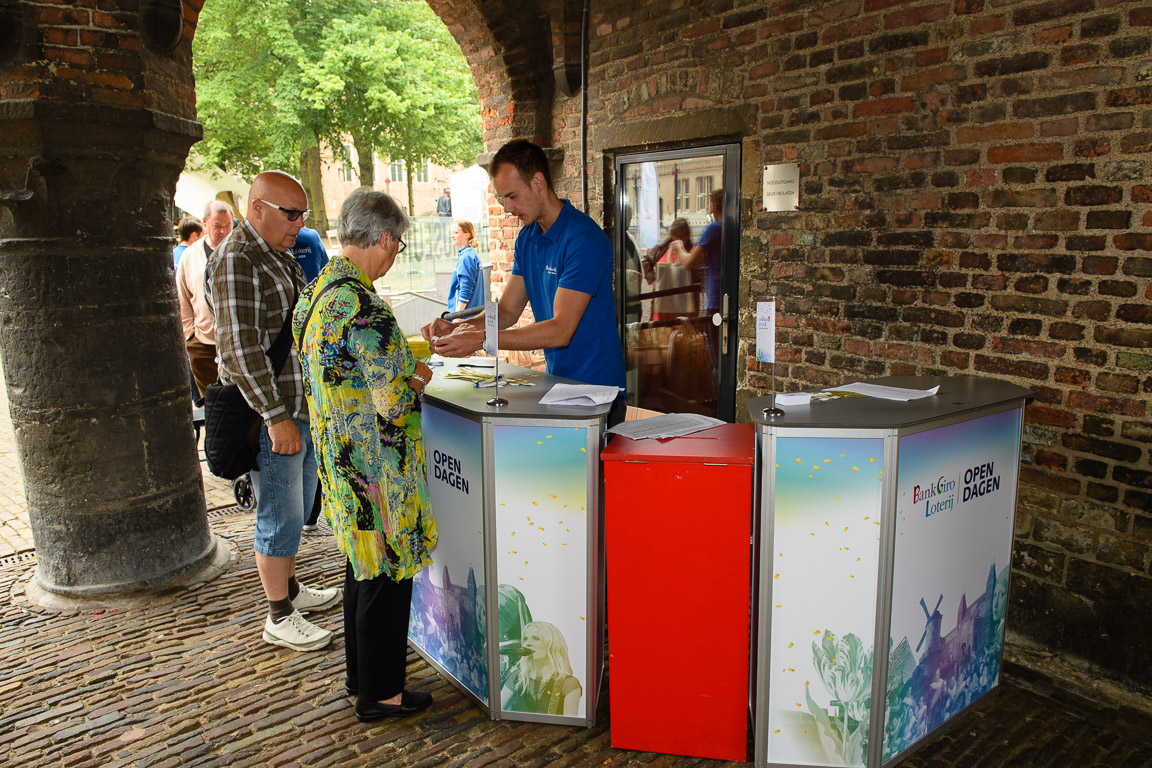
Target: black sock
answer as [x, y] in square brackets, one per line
[280, 609]
[293, 587]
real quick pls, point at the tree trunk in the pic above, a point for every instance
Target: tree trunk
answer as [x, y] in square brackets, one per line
[310, 176]
[366, 159]
[411, 197]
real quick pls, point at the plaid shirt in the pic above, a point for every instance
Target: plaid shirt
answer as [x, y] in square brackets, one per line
[252, 288]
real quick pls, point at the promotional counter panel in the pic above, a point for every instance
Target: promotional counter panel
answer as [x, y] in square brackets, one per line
[885, 543]
[511, 609]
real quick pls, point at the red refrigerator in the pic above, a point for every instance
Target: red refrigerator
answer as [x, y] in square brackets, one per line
[678, 528]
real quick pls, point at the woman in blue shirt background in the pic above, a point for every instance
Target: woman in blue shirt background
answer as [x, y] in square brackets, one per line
[465, 291]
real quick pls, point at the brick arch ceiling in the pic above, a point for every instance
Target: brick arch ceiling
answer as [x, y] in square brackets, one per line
[507, 45]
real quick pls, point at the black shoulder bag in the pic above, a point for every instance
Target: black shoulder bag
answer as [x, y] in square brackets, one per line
[231, 427]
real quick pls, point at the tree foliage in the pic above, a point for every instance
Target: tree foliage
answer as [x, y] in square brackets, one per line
[274, 75]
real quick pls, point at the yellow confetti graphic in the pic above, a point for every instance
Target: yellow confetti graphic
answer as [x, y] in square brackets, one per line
[871, 459]
[855, 469]
[791, 644]
[799, 461]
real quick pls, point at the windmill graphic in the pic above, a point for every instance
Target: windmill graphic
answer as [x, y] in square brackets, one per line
[931, 624]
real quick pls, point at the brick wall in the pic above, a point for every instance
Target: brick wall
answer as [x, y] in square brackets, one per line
[975, 200]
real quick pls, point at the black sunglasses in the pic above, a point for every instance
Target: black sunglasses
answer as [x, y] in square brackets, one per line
[291, 213]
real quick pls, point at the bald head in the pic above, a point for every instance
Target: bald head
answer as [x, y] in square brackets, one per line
[275, 204]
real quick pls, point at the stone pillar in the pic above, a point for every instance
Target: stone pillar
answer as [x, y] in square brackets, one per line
[90, 150]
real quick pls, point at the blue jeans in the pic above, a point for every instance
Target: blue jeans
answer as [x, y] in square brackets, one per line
[285, 487]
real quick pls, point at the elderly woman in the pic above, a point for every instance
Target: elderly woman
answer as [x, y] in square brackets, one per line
[363, 387]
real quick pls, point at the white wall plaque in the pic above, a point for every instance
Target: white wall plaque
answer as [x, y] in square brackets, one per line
[782, 187]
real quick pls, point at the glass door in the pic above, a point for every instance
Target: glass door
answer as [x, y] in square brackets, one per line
[677, 241]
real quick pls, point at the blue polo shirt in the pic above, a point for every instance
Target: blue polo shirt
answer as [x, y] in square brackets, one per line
[465, 285]
[575, 254]
[309, 253]
[710, 242]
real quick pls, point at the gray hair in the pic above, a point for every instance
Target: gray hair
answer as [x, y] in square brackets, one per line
[215, 206]
[366, 215]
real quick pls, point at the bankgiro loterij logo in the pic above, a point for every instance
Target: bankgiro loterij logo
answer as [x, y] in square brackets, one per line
[941, 495]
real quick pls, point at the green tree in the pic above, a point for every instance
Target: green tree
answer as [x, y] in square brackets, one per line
[394, 80]
[275, 78]
[250, 58]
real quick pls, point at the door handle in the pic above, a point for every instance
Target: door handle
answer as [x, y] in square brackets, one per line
[718, 320]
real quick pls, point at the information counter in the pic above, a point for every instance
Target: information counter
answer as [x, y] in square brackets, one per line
[885, 542]
[511, 609]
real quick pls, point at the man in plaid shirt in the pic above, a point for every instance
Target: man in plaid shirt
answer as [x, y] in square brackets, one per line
[253, 283]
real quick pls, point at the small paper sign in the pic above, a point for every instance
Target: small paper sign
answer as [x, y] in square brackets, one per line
[782, 187]
[766, 331]
[491, 328]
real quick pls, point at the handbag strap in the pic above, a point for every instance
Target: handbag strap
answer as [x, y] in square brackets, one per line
[316, 300]
[278, 352]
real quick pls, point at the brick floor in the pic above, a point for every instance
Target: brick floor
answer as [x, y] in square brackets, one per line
[187, 681]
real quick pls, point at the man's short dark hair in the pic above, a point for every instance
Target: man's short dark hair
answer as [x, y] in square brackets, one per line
[525, 157]
[187, 227]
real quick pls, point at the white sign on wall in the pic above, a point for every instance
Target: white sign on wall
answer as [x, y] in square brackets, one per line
[782, 187]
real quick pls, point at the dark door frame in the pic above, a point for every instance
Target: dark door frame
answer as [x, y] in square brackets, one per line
[729, 255]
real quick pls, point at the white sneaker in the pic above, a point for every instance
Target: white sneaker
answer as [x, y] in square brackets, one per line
[297, 633]
[316, 599]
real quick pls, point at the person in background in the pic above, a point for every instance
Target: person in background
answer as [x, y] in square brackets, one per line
[705, 255]
[444, 204]
[466, 290]
[189, 231]
[308, 250]
[196, 320]
[662, 253]
[363, 389]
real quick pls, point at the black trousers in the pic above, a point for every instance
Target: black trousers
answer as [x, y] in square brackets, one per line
[376, 634]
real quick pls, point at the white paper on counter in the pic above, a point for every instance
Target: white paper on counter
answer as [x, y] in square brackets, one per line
[665, 425]
[885, 393]
[793, 398]
[579, 394]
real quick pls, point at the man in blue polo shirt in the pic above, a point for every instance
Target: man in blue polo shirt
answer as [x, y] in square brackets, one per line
[309, 253]
[562, 266]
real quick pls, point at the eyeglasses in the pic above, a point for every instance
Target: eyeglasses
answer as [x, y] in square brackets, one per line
[403, 245]
[292, 213]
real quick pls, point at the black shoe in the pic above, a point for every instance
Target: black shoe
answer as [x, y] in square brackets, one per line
[411, 702]
[349, 688]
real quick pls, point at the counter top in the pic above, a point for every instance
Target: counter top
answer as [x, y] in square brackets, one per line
[523, 402]
[957, 395]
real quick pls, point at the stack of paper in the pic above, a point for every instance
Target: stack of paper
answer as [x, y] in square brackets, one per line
[886, 393]
[579, 394]
[667, 425]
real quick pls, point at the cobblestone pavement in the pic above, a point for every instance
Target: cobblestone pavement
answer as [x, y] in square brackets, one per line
[187, 681]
